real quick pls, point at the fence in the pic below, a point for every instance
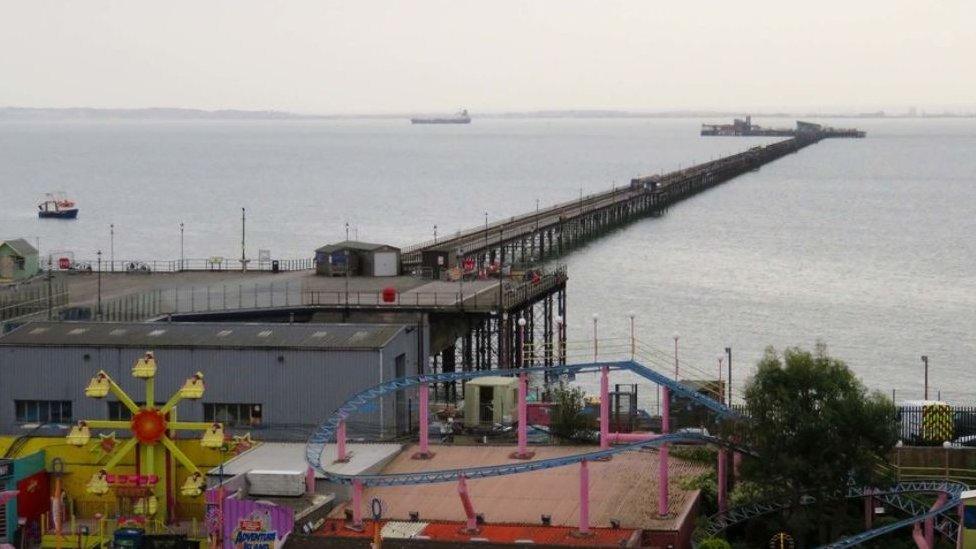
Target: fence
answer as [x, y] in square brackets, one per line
[200, 299]
[36, 297]
[139, 266]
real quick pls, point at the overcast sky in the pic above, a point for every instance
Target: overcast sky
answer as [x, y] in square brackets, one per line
[362, 56]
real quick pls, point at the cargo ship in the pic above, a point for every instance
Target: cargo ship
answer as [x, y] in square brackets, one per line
[459, 118]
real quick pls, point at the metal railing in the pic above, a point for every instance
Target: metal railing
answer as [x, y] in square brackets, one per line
[35, 298]
[140, 266]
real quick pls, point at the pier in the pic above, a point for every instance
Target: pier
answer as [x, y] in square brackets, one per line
[552, 231]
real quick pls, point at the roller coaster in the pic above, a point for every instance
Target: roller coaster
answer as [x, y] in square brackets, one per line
[949, 493]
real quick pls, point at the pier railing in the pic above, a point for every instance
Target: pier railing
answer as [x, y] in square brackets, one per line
[148, 266]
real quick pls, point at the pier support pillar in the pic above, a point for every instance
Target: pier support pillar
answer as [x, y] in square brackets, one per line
[523, 419]
[357, 505]
[341, 455]
[424, 424]
[584, 499]
[723, 482]
[662, 470]
[471, 525]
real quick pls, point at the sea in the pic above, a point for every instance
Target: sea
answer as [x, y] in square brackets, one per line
[867, 246]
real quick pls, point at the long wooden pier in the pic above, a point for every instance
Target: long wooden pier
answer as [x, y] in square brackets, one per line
[555, 230]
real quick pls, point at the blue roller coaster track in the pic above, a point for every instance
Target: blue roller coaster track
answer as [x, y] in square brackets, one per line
[326, 433]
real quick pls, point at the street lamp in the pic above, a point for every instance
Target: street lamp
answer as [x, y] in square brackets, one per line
[460, 262]
[676, 337]
[181, 246]
[925, 361]
[435, 234]
[596, 318]
[728, 353]
[243, 247]
[719, 391]
[111, 232]
[633, 337]
[98, 310]
[521, 353]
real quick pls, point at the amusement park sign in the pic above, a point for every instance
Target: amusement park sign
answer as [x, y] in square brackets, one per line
[254, 532]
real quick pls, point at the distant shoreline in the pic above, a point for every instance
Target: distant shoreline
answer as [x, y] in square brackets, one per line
[81, 113]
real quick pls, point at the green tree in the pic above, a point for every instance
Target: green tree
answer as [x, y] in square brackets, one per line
[567, 420]
[817, 431]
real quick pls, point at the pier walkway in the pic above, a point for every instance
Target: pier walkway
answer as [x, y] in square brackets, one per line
[554, 230]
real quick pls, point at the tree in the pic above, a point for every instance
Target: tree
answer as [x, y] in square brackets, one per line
[817, 432]
[567, 420]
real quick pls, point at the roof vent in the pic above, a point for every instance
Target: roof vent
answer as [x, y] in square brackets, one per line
[224, 333]
[156, 333]
[39, 330]
[118, 332]
[77, 331]
[320, 334]
[358, 336]
[264, 333]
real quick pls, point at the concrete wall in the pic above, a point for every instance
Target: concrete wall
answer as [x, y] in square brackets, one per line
[296, 388]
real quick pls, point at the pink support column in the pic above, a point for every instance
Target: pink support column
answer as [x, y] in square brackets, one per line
[424, 426]
[930, 522]
[662, 471]
[919, 537]
[357, 505]
[341, 455]
[584, 496]
[310, 481]
[472, 519]
[523, 420]
[604, 407]
[723, 482]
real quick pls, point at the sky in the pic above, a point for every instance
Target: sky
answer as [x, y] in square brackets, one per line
[366, 56]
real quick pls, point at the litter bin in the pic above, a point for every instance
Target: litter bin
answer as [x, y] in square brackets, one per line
[274, 266]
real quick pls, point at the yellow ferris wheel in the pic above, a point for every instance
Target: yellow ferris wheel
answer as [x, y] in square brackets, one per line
[150, 426]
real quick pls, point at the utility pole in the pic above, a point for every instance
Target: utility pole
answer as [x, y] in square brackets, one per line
[925, 361]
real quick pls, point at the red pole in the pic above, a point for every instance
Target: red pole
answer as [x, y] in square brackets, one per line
[472, 519]
[341, 441]
[357, 504]
[424, 426]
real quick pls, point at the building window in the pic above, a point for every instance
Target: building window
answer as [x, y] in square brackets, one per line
[118, 412]
[233, 414]
[43, 411]
[19, 263]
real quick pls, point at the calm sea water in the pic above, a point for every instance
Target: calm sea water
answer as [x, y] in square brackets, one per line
[866, 244]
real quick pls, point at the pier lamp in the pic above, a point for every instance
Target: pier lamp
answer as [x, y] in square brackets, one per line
[728, 354]
[719, 392]
[111, 233]
[633, 336]
[676, 337]
[181, 246]
[596, 318]
[925, 362]
[521, 324]
[98, 312]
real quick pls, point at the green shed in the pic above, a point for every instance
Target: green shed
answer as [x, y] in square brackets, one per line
[18, 260]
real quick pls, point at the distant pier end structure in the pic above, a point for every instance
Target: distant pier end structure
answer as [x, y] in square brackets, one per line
[744, 127]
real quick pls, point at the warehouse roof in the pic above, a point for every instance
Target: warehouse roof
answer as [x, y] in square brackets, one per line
[203, 334]
[354, 245]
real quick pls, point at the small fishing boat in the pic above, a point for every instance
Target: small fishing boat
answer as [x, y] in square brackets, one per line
[55, 205]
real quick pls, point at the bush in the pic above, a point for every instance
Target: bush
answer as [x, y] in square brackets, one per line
[714, 543]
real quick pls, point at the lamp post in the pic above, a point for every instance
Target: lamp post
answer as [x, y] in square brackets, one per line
[460, 262]
[486, 237]
[633, 337]
[98, 310]
[181, 246]
[596, 318]
[347, 230]
[728, 354]
[719, 392]
[435, 234]
[676, 337]
[925, 361]
[111, 232]
[243, 248]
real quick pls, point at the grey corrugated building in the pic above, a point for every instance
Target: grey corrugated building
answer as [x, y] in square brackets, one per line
[273, 380]
[359, 258]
